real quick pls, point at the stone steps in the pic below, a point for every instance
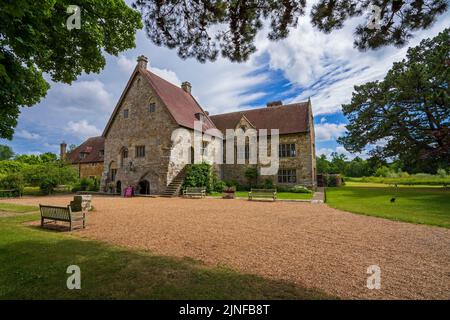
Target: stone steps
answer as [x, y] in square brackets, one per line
[173, 189]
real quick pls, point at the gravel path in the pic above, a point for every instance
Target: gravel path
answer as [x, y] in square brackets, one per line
[309, 244]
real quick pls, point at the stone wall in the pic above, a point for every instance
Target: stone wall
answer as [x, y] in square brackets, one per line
[88, 170]
[303, 162]
[142, 128]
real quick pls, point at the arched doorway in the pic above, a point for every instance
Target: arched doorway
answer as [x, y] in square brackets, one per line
[119, 187]
[144, 187]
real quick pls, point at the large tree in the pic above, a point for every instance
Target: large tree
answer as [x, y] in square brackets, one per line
[34, 39]
[205, 28]
[407, 115]
[6, 152]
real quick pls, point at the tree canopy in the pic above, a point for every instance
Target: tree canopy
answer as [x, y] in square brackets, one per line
[203, 29]
[406, 115]
[34, 39]
[6, 152]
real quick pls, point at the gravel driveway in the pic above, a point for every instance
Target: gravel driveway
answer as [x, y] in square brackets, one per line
[309, 244]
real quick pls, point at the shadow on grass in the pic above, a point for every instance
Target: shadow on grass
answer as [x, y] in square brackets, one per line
[33, 264]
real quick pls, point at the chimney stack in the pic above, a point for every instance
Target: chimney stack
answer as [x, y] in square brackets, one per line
[274, 103]
[142, 62]
[62, 150]
[186, 86]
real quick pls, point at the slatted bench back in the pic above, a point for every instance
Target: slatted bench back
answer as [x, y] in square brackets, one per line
[55, 213]
[194, 190]
[263, 192]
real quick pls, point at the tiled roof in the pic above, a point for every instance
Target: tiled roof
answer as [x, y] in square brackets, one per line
[181, 104]
[93, 148]
[292, 118]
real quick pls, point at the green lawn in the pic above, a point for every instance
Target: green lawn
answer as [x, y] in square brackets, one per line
[280, 195]
[33, 264]
[418, 205]
[18, 208]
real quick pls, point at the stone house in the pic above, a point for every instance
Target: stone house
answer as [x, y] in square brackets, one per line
[141, 150]
[87, 158]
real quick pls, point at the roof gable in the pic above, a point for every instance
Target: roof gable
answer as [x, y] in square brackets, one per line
[92, 148]
[181, 105]
[292, 118]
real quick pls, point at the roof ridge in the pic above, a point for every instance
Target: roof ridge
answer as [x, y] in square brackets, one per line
[154, 74]
[262, 108]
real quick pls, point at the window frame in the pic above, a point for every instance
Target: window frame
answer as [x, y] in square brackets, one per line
[113, 174]
[152, 107]
[287, 150]
[287, 176]
[126, 113]
[140, 151]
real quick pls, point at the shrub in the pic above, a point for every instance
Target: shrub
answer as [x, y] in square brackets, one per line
[47, 176]
[382, 172]
[268, 184]
[11, 166]
[199, 175]
[442, 173]
[12, 181]
[252, 175]
[86, 184]
[219, 186]
[299, 189]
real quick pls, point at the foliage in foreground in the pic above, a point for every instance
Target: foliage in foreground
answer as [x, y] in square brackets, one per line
[110, 272]
[203, 29]
[34, 39]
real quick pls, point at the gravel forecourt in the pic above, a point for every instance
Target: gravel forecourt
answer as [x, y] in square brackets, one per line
[311, 245]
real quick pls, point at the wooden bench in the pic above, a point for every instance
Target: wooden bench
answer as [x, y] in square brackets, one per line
[62, 214]
[194, 192]
[11, 193]
[262, 194]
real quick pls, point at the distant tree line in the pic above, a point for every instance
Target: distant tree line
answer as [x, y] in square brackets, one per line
[373, 166]
[45, 171]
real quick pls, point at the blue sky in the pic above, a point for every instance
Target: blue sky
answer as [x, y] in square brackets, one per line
[308, 64]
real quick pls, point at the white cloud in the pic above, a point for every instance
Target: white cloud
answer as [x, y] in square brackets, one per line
[167, 75]
[128, 65]
[125, 64]
[24, 134]
[327, 66]
[83, 129]
[83, 96]
[340, 150]
[329, 131]
[322, 66]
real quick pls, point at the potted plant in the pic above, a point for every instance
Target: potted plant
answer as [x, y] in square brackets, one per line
[228, 193]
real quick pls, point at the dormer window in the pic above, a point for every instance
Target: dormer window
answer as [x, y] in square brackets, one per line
[83, 155]
[126, 113]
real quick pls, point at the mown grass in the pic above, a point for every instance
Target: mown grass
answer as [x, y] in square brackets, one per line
[33, 264]
[417, 205]
[409, 180]
[18, 208]
[280, 195]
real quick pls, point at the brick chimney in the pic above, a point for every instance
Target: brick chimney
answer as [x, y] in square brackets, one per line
[62, 150]
[274, 103]
[186, 86]
[142, 62]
